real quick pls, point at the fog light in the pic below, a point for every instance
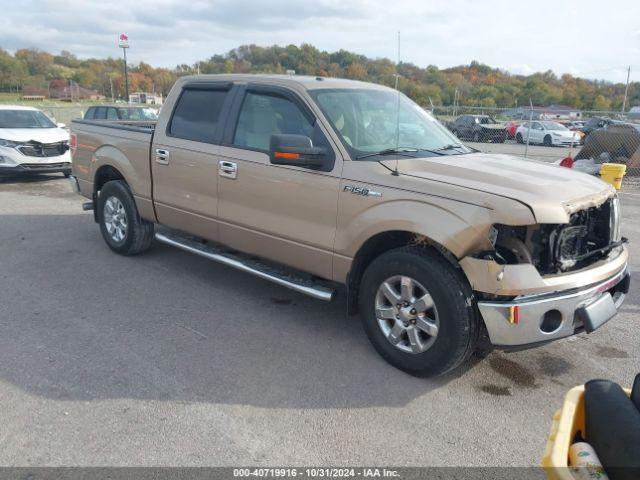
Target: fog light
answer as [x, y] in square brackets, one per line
[551, 321]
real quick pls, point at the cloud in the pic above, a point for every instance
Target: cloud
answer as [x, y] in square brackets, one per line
[569, 36]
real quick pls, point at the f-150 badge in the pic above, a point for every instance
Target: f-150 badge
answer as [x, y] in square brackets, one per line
[365, 192]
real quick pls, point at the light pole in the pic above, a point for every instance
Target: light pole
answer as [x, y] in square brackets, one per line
[123, 43]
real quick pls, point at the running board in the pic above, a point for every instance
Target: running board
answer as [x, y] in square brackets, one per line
[267, 272]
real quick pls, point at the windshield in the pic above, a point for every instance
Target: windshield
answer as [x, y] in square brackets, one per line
[138, 114]
[24, 119]
[370, 121]
[554, 126]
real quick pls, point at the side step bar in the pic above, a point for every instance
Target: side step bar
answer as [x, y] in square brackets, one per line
[299, 284]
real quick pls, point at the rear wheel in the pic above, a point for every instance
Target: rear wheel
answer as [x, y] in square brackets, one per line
[120, 223]
[519, 138]
[415, 310]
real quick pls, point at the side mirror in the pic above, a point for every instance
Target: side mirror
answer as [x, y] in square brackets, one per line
[295, 150]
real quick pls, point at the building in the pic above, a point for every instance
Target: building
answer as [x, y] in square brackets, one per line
[75, 92]
[551, 112]
[146, 98]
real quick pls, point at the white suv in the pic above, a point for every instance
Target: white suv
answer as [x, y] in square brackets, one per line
[30, 142]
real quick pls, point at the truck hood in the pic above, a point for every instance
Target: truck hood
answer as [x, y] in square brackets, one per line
[42, 135]
[550, 191]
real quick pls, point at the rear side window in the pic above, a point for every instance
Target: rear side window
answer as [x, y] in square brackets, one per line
[196, 115]
[90, 113]
[101, 113]
[112, 114]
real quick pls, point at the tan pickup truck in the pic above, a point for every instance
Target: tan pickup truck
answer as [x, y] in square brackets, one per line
[314, 182]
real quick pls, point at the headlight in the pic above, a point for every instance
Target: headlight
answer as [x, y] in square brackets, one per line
[8, 143]
[555, 134]
[614, 220]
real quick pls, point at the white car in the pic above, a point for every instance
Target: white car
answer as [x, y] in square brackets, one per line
[30, 142]
[546, 133]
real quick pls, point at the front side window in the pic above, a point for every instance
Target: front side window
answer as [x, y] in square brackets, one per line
[24, 119]
[112, 114]
[373, 120]
[263, 115]
[196, 115]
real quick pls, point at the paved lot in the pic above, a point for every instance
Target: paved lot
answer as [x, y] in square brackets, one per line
[167, 359]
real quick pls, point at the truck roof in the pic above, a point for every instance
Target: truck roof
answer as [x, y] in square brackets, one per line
[306, 81]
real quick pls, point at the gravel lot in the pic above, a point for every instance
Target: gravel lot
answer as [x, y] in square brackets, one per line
[168, 359]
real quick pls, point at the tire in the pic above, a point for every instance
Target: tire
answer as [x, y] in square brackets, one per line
[453, 314]
[66, 174]
[519, 138]
[547, 141]
[132, 235]
[477, 137]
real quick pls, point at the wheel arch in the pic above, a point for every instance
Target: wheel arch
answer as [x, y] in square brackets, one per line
[104, 173]
[383, 242]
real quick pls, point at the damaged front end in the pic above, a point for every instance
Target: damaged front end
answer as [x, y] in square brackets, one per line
[590, 235]
[548, 281]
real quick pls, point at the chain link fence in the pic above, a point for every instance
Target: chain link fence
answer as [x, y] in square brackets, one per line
[550, 134]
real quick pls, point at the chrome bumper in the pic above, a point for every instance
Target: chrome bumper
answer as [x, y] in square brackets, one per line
[541, 318]
[75, 186]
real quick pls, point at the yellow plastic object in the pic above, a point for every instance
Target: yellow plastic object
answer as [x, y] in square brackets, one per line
[566, 422]
[612, 173]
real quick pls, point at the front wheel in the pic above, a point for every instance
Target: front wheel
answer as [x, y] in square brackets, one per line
[519, 138]
[477, 137]
[416, 311]
[547, 141]
[121, 226]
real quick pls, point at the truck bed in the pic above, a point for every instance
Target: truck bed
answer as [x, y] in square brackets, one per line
[125, 145]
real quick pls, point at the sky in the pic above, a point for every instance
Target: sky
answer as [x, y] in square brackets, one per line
[587, 38]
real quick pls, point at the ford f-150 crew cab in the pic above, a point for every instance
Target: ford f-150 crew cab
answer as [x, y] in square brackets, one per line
[314, 182]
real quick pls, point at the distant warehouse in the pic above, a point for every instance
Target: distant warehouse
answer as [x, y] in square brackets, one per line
[560, 112]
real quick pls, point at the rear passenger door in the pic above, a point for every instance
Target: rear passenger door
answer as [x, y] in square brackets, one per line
[283, 213]
[184, 160]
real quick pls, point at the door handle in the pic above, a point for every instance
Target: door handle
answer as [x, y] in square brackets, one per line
[227, 169]
[162, 156]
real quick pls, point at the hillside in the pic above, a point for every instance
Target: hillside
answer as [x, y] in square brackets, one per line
[477, 84]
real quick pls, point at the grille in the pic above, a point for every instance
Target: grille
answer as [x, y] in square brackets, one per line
[43, 166]
[35, 149]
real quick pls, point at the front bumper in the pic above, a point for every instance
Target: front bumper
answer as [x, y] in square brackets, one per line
[534, 319]
[36, 168]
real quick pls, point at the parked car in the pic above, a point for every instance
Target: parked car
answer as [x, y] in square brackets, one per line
[546, 133]
[511, 128]
[331, 181]
[120, 113]
[479, 128]
[575, 126]
[30, 142]
[596, 123]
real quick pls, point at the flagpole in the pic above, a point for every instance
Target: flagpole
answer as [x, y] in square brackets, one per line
[126, 77]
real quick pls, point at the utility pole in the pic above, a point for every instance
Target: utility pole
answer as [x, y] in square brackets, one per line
[626, 89]
[123, 43]
[111, 85]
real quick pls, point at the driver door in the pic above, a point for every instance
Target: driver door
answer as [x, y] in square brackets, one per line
[283, 213]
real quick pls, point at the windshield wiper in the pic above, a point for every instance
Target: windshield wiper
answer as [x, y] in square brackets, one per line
[390, 151]
[448, 147]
